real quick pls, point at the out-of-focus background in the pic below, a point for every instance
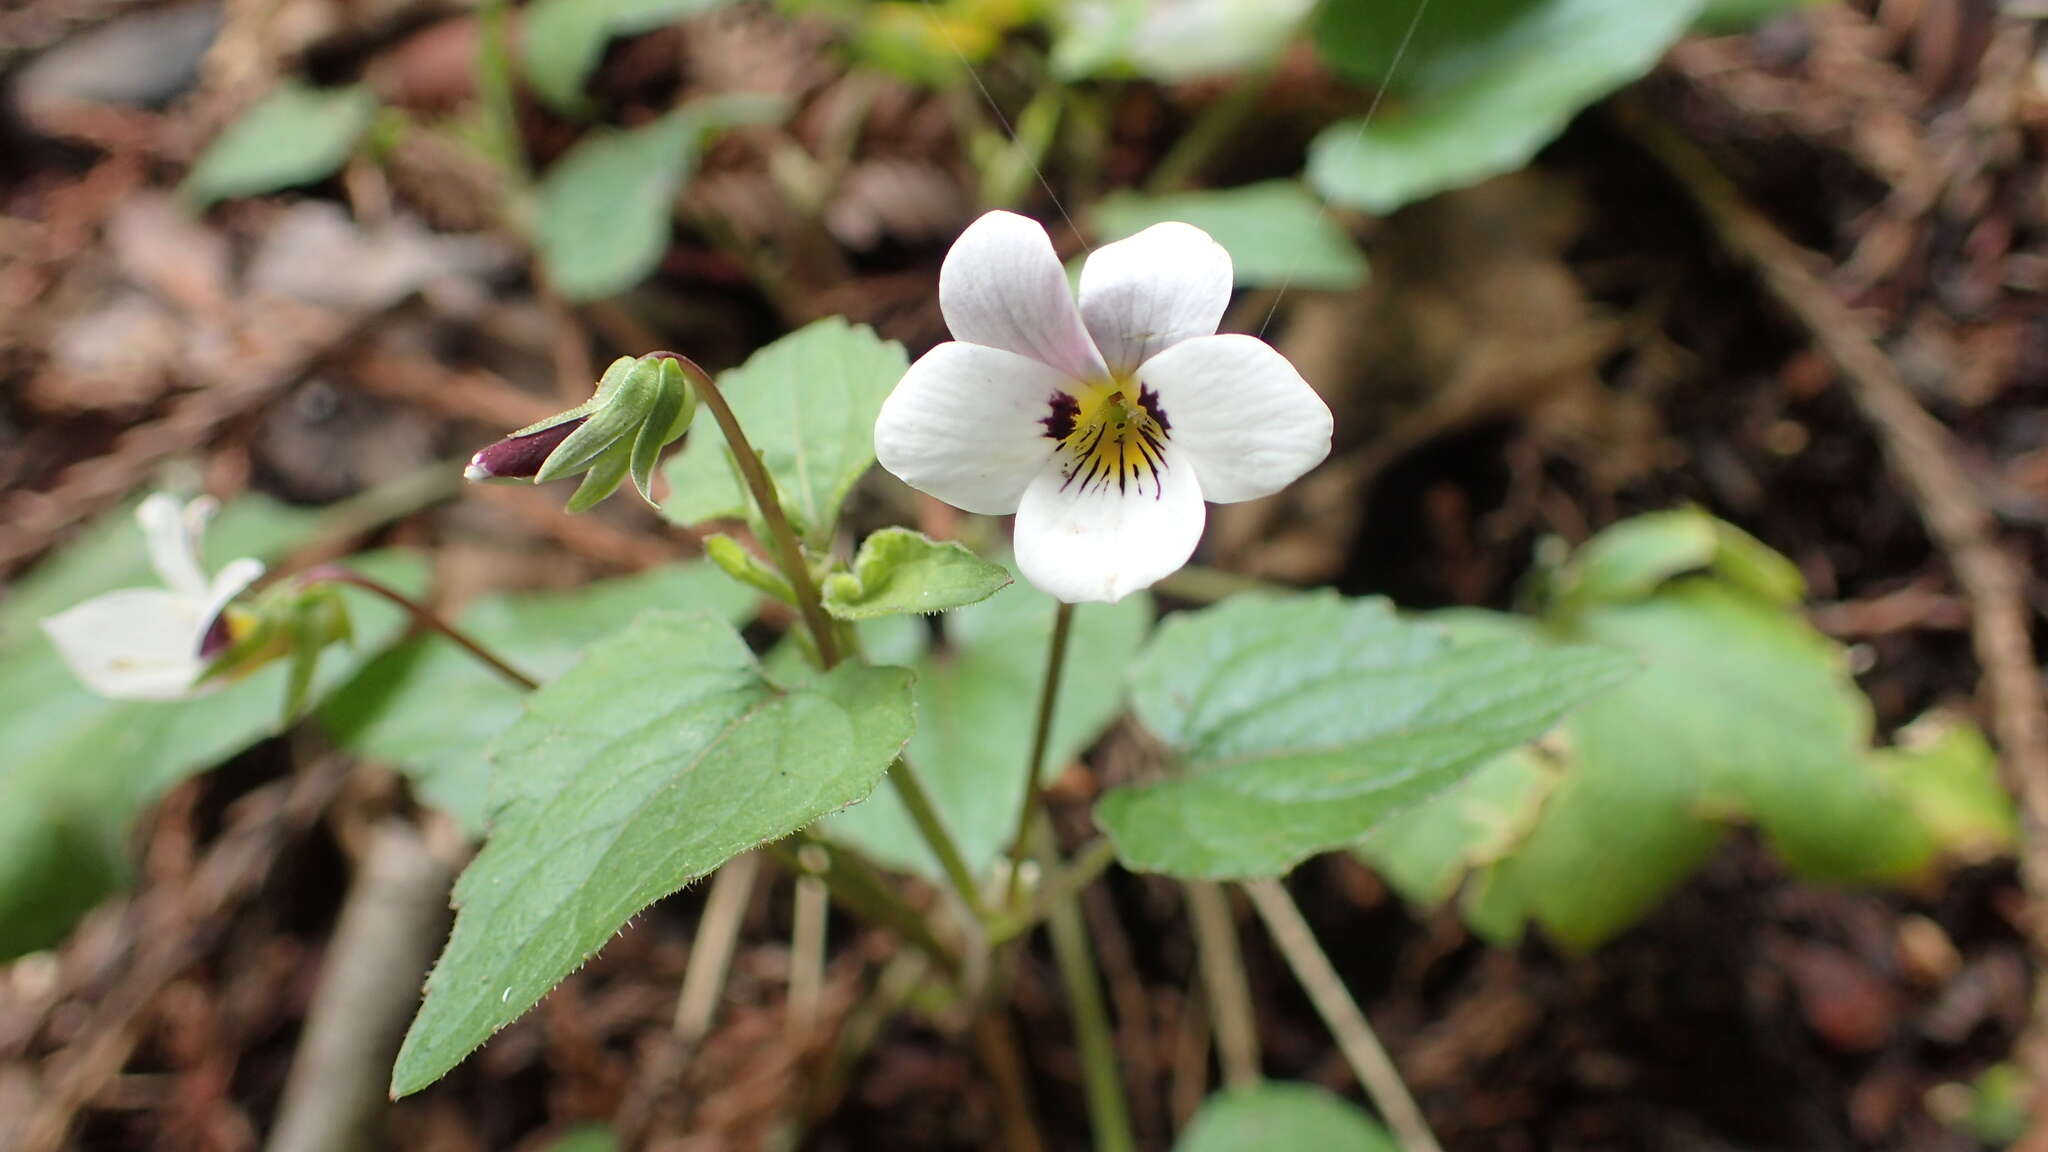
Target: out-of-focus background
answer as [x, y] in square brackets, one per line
[1552, 263]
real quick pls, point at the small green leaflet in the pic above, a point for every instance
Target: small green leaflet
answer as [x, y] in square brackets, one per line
[1280, 1115]
[660, 756]
[430, 709]
[297, 135]
[1483, 85]
[1301, 722]
[1275, 232]
[808, 403]
[975, 703]
[899, 572]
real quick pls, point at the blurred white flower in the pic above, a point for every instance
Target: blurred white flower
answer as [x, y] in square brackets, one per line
[146, 643]
[1103, 426]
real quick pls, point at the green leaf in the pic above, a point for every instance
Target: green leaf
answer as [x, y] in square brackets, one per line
[561, 41]
[661, 755]
[1301, 722]
[79, 768]
[1634, 558]
[1947, 774]
[1277, 1115]
[1275, 232]
[1424, 851]
[808, 403]
[297, 135]
[899, 572]
[603, 210]
[1482, 86]
[430, 709]
[976, 705]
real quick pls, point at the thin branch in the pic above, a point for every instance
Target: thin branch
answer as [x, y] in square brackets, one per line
[1223, 979]
[422, 615]
[1362, 1050]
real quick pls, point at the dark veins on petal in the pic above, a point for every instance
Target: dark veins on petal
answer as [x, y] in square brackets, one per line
[1059, 422]
[1149, 401]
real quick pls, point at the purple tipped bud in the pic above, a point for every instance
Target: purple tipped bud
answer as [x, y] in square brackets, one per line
[520, 457]
[218, 636]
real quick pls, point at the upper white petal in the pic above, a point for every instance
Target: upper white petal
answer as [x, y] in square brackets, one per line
[172, 534]
[963, 425]
[228, 583]
[1145, 294]
[1106, 543]
[1240, 411]
[1002, 286]
[134, 644]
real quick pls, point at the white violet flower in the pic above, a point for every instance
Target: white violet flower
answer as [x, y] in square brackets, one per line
[1103, 425]
[153, 643]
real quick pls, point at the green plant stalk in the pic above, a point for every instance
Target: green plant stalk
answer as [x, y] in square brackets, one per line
[1084, 869]
[1355, 1039]
[910, 789]
[1223, 979]
[1048, 701]
[789, 551]
[499, 107]
[857, 888]
[421, 615]
[1109, 1117]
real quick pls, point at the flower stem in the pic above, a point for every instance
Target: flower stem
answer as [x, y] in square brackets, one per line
[789, 551]
[910, 789]
[1362, 1050]
[1048, 700]
[421, 615]
[1109, 1117]
[1084, 869]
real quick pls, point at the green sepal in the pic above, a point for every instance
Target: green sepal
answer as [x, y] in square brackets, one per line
[318, 618]
[625, 396]
[675, 403]
[735, 561]
[606, 473]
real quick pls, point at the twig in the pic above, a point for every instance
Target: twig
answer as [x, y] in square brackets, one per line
[383, 942]
[711, 948]
[1230, 996]
[1362, 1050]
[1924, 455]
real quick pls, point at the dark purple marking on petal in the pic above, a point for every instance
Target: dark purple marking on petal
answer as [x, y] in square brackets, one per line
[218, 637]
[1149, 401]
[1059, 422]
[520, 457]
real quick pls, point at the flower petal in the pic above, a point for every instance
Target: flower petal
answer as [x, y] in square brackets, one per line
[1145, 294]
[172, 532]
[964, 425]
[134, 644]
[228, 583]
[1104, 542]
[1002, 286]
[1240, 411]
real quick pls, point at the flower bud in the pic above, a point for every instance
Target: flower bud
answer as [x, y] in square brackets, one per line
[640, 406]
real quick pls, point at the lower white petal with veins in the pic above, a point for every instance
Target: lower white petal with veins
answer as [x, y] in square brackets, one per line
[144, 643]
[1103, 424]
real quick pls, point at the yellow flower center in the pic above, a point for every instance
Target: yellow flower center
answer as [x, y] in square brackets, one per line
[1113, 432]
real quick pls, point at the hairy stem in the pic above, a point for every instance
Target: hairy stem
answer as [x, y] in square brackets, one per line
[1048, 701]
[421, 615]
[1362, 1050]
[789, 551]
